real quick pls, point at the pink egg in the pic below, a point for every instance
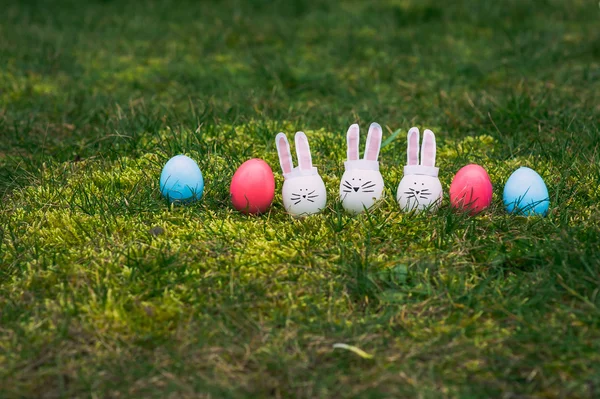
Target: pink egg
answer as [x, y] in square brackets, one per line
[252, 187]
[471, 189]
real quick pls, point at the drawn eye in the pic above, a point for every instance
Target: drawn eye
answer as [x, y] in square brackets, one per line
[353, 178]
[422, 184]
[415, 182]
[359, 179]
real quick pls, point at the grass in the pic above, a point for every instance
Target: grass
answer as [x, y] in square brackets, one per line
[107, 291]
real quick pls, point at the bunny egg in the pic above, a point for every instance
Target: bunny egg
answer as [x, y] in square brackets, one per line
[420, 187]
[303, 189]
[362, 184]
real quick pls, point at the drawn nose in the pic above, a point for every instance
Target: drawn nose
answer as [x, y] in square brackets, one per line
[355, 189]
[304, 196]
[417, 192]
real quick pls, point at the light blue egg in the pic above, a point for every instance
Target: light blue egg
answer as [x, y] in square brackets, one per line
[525, 193]
[181, 180]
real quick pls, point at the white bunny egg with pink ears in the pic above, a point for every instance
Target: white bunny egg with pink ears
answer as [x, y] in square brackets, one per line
[362, 185]
[420, 187]
[303, 188]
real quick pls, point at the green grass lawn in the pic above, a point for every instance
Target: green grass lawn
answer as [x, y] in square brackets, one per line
[95, 98]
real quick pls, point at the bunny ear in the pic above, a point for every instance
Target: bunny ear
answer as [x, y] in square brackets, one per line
[373, 142]
[412, 151]
[352, 141]
[285, 156]
[428, 149]
[303, 151]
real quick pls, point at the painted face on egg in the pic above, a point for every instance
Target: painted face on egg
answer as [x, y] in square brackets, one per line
[360, 189]
[304, 195]
[419, 192]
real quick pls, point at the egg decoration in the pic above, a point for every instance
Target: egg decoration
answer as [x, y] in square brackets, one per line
[181, 180]
[420, 188]
[526, 193]
[303, 190]
[471, 189]
[252, 187]
[362, 185]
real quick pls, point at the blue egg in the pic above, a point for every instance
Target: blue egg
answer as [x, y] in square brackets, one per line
[525, 193]
[181, 180]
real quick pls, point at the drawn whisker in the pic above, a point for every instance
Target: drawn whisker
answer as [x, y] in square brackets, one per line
[372, 185]
[368, 191]
[347, 185]
[370, 181]
[310, 200]
[347, 191]
[311, 192]
[296, 203]
[312, 196]
[422, 197]
[408, 192]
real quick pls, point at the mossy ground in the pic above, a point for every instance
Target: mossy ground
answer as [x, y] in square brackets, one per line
[95, 301]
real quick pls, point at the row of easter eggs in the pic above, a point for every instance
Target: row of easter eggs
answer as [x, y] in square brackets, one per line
[253, 185]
